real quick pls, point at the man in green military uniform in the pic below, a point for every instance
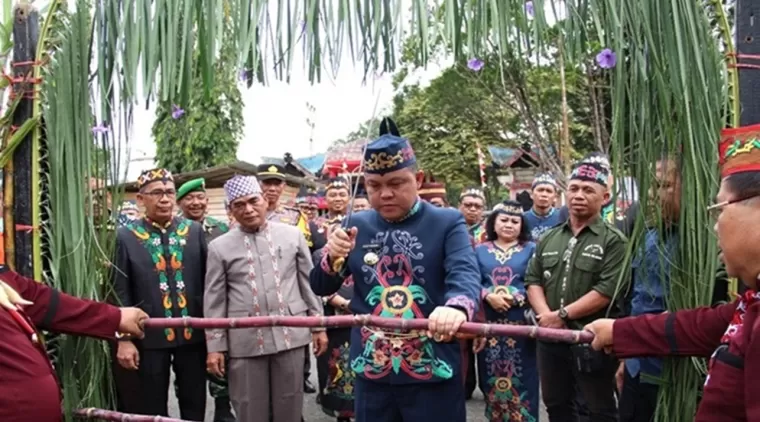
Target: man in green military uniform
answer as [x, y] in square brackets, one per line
[272, 179]
[193, 205]
[574, 276]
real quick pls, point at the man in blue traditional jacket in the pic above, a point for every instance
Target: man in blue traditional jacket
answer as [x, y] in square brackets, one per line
[543, 216]
[409, 259]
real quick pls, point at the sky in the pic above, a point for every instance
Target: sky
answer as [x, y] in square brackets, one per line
[275, 115]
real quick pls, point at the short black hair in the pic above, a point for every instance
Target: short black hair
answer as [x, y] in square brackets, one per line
[522, 237]
[745, 184]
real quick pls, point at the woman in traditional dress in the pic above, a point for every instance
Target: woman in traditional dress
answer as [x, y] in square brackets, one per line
[336, 378]
[507, 370]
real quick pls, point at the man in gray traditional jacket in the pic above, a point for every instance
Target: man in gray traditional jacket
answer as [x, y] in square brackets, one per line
[260, 268]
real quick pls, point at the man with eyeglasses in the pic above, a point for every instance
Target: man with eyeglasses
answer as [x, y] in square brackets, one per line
[160, 265]
[472, 202]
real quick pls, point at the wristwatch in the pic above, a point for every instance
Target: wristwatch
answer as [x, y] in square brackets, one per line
[562, 313]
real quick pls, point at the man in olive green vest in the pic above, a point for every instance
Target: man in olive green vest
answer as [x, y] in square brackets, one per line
[193, 205]
[574, 275]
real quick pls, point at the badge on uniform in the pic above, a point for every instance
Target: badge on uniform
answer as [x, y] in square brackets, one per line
[371, 257]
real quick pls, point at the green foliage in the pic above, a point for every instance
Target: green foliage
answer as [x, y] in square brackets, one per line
[77, 244]
[509, 102]
[208, 132]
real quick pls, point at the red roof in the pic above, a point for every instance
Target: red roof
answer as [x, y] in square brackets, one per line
[344, 159]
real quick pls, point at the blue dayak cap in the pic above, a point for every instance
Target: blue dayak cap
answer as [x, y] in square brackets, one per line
[388, 153]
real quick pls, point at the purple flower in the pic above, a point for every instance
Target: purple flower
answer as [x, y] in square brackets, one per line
[99, 129]
[243, 75]
[606, 59]
[529, 9]
[177, 112]
[475, 64]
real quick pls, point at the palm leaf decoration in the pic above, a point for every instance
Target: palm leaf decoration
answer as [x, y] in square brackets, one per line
[669, 89]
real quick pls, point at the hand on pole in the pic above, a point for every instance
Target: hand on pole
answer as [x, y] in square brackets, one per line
[132, 320]
[602, 329]
[444, 322]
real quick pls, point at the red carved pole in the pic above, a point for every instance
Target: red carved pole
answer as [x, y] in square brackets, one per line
[110, 415]
[468, 329]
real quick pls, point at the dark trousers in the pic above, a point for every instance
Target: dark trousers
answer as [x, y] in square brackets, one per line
[307, 364]
[638, 401]
[559, 373]
[189, 365]
[434, 402]
[471, 375]
[128, 391]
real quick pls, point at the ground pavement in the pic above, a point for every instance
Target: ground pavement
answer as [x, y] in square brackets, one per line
[313, 413]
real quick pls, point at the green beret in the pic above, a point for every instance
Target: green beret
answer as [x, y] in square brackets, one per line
[191, 186]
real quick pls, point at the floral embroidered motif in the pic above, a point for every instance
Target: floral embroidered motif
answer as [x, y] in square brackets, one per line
[504, 363]
[392, 351]
[255, 288]
[340, 378]
[152, 241]
[502, 256]
[478, 234]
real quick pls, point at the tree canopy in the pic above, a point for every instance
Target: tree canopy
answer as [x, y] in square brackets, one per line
[505, 101]
[207, 131]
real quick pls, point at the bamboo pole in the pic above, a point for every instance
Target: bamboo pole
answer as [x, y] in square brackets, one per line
[25, 35]
[467, 330]
[110, 415]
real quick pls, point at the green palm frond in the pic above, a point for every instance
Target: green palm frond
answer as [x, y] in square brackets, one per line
[669, 93]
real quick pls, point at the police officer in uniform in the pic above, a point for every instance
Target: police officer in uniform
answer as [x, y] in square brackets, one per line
[572, 280]
[272, 179]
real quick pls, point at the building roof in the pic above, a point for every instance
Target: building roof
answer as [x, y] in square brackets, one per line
[513, 157]
[344, 158]
[216, 176]
[314, 163]
[286, 161]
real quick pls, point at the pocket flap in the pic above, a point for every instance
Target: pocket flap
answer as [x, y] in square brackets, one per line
[298, 307]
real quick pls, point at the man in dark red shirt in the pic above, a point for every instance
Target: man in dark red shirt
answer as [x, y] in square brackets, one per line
[29, 389]
[728, 334]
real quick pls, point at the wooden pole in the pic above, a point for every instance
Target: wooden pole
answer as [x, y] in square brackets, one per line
[25, 35]
[747, 23]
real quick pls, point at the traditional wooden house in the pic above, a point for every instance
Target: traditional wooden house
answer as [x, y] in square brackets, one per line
[217, 176]
[515, 168]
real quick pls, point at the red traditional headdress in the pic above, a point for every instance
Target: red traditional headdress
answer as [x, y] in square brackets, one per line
[739, 150]
[432, 189]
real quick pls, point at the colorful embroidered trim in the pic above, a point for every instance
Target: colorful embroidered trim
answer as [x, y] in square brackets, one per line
[384, 161]
[463, 302]
[739, 150]
[254, 287]
[154, 175]
[152, 240]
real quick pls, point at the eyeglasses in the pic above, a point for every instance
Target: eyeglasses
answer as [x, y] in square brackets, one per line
[715, 209]
[158, 194]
